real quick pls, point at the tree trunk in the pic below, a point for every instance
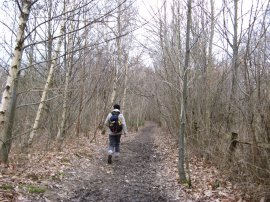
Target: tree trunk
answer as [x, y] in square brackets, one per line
[49, 57]
[182, 132]
[118, 62]
[7, 108]
[125, 86]
[139, 115]
[47, 84]
[82, 80]
[114, 85]
[61, 130]
[233, 97]
[207, 118]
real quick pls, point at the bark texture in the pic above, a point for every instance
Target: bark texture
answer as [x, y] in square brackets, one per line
[9, 95]
[182, 133]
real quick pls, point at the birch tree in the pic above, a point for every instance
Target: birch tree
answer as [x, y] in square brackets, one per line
[53, 65]
[8, 101]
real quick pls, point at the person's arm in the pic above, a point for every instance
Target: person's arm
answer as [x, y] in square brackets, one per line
[124, 124]
[106, 123]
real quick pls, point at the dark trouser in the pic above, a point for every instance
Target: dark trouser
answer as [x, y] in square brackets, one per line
[114, 143]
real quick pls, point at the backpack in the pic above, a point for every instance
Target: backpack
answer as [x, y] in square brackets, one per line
[115, 123]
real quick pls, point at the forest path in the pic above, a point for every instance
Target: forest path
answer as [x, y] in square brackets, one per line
[139, 174]
[146, 171]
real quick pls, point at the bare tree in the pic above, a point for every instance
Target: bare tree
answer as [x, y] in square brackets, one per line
[235, 64]
[9, 95]
[53, 65]
[125, 83]
[61, 130]
[182, 131]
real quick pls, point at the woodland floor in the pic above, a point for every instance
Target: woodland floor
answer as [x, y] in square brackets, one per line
[146, 171]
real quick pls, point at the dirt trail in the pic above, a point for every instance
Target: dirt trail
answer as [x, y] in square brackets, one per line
[146, 172]
[135, 177]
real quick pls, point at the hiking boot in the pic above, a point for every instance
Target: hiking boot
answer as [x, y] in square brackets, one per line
[110, 159]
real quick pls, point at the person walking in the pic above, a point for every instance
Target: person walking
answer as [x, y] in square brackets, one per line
[116, 123]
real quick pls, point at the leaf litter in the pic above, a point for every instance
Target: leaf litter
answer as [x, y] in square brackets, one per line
[81, 170]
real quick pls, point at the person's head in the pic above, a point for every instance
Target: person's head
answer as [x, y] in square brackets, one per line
[116, 106]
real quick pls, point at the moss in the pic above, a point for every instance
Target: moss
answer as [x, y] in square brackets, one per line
[6, 187]
[186, 182]
[35, 189]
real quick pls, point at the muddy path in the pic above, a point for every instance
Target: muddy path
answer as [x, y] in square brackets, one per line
[137, 176]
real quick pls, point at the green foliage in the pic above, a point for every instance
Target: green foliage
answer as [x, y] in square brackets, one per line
[186, 182]
[6, 187]
[35, 189]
